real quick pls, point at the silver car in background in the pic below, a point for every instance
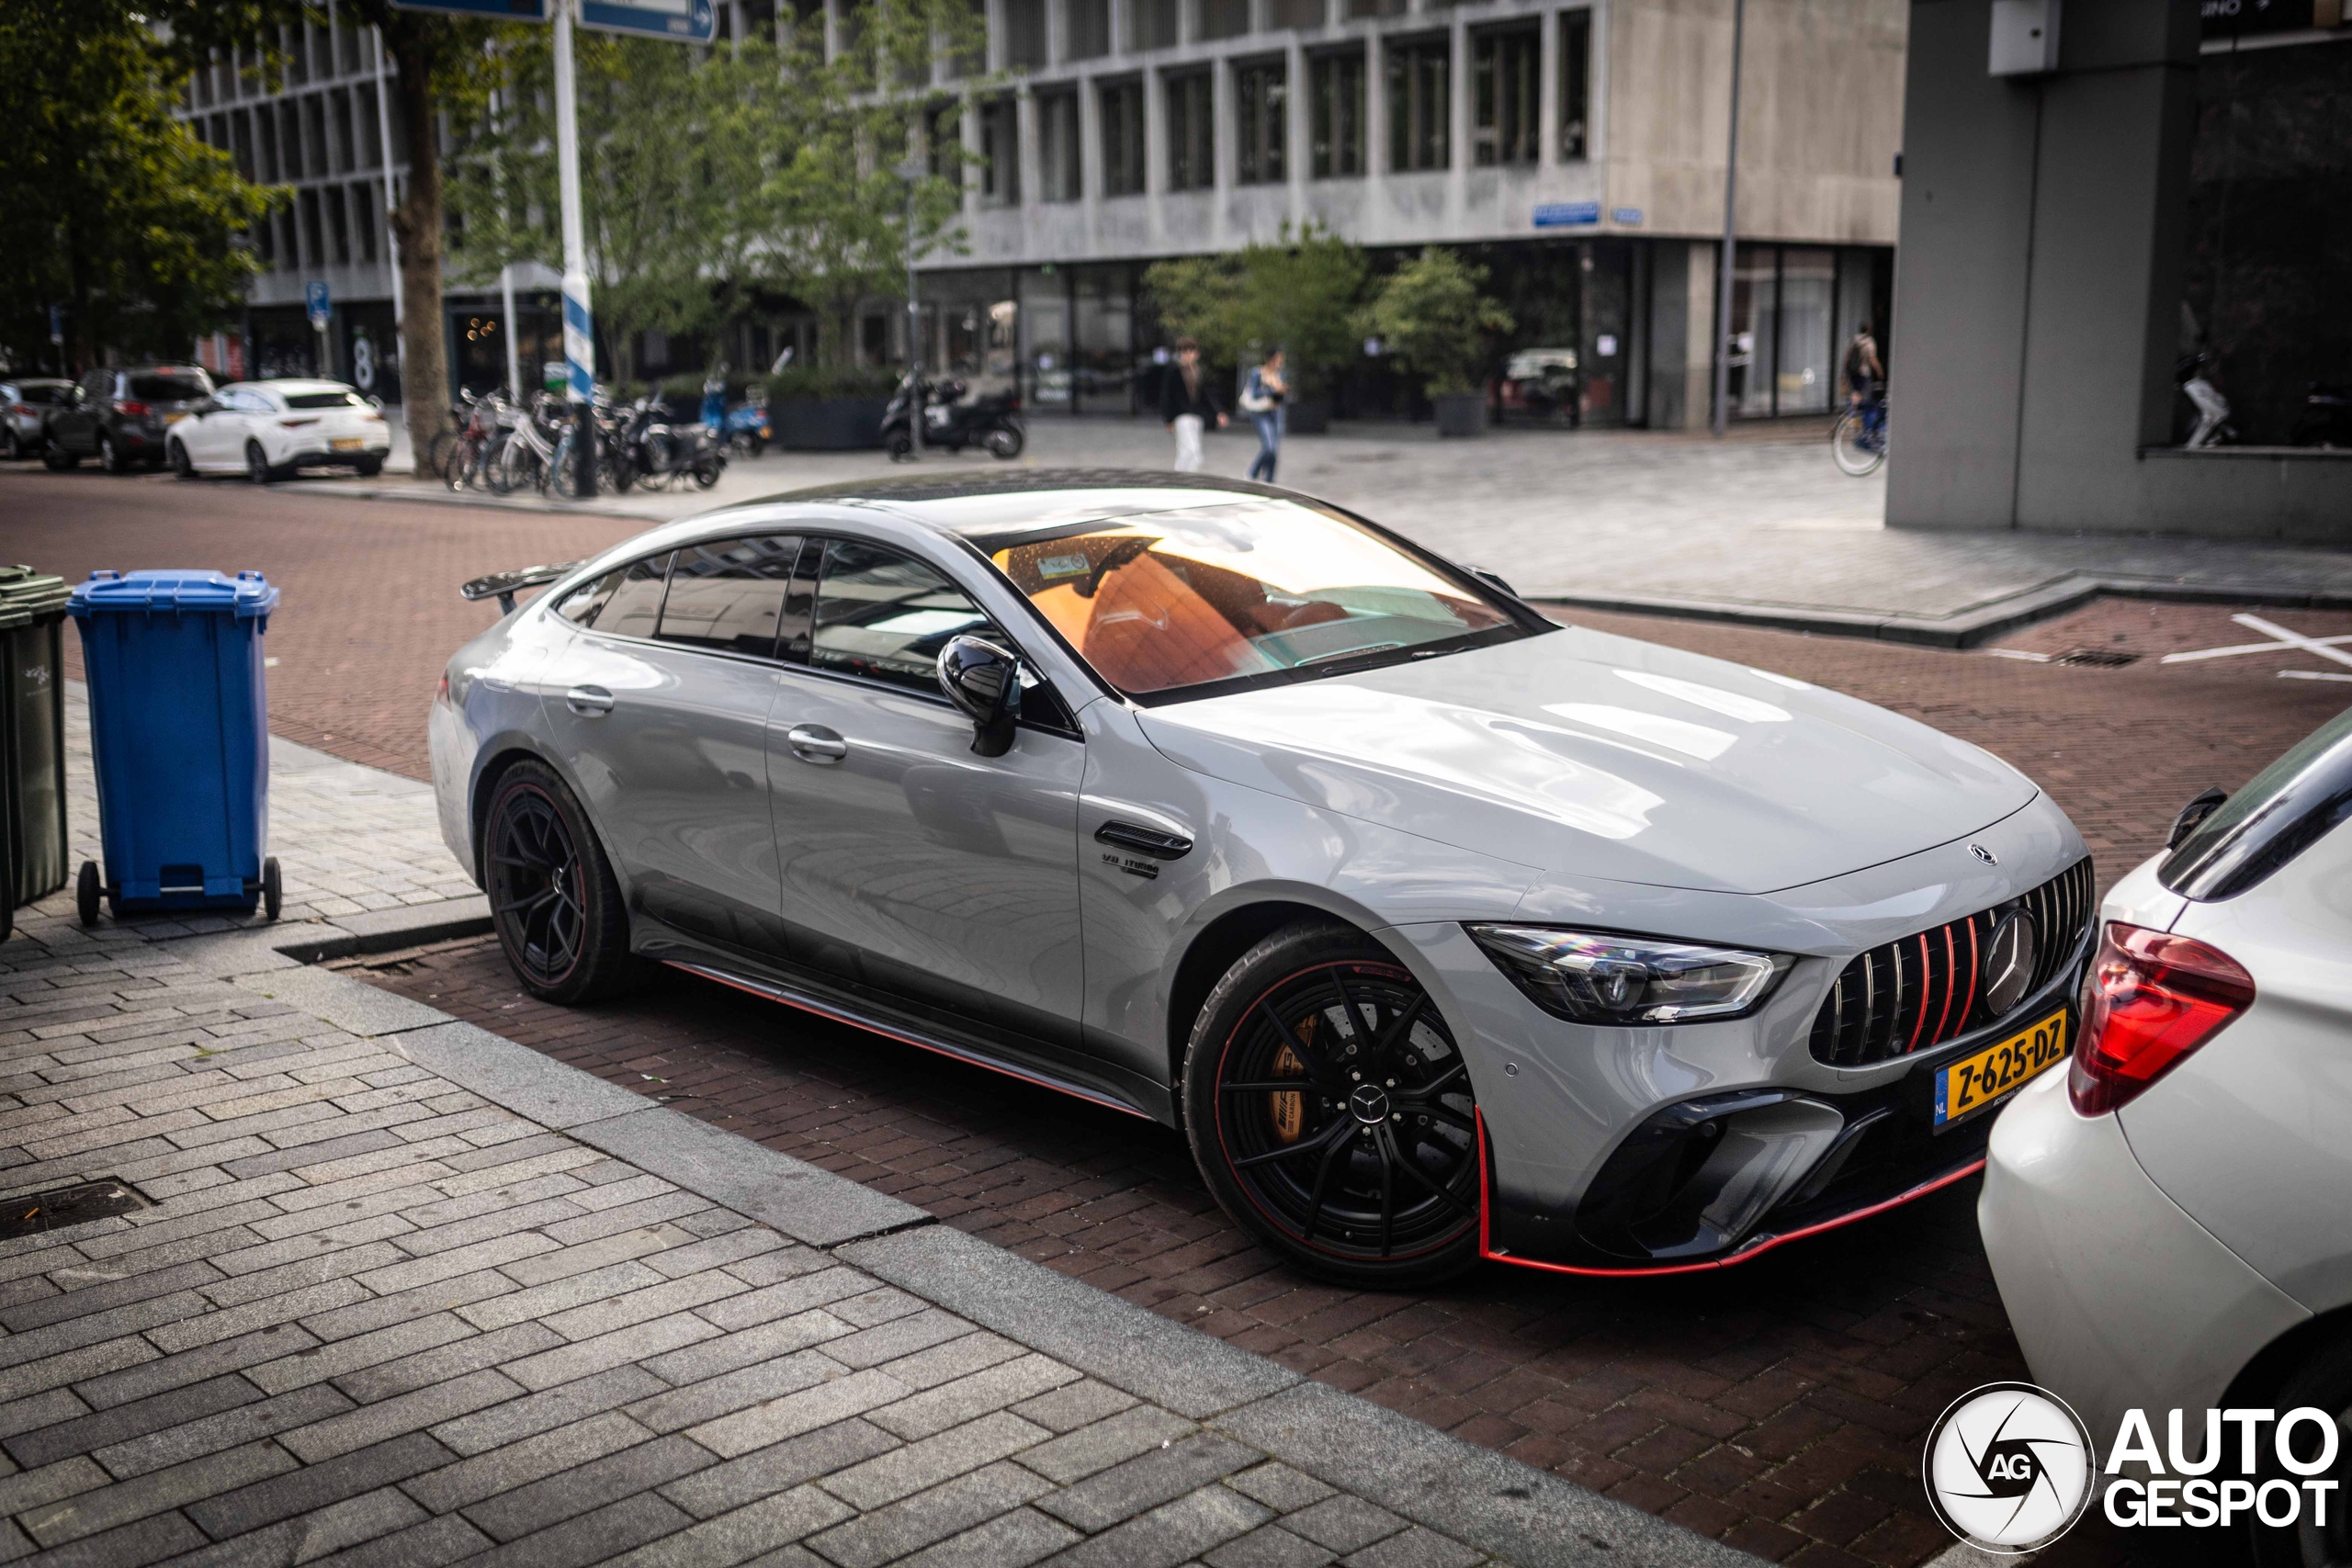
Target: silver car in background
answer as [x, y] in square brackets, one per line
[2171, 1223]
[23, 414]
[1443, 932]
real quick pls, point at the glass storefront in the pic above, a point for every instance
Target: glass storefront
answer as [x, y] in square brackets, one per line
[1792, 310]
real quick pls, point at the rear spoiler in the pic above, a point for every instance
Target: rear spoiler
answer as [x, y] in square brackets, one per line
[503, 585]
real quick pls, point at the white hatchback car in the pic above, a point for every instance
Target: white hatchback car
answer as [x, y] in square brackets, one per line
[2171, 1225]
[265, 430]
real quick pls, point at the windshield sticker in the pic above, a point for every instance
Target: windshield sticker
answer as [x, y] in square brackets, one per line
[1062, 566]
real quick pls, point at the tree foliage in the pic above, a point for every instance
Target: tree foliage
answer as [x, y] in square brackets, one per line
[1433, 313]
[1299, 293]
[116, 210]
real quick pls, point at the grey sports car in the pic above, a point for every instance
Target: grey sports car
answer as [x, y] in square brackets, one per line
[1442, 930]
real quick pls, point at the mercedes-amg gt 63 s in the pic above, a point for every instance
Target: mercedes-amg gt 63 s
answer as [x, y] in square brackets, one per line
[1442, 930]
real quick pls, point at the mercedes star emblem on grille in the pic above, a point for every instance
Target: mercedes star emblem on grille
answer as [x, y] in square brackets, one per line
[1981, 853]
[2008, 961]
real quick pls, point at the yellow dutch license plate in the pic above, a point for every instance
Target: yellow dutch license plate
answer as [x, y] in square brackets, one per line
[173, 418]
[1982, 1076]
[348, 443]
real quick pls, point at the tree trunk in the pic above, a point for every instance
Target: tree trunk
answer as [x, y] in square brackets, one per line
[416, 223]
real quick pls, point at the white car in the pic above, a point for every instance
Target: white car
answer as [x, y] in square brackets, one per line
[265, 430]
[2171, 1224]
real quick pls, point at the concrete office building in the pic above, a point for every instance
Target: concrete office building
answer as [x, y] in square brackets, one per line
[1576, 149]
[2164, 184]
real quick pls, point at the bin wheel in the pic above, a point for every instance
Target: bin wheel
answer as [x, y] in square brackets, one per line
[86, 889]
[272, 896]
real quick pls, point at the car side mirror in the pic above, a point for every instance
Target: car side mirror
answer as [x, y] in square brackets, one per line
[205, 406]
[2207, 803]
[984, 681]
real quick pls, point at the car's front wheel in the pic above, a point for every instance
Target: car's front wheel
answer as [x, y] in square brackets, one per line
[1332, 1112]
[553, 898]
[181, 464]
[257, 466]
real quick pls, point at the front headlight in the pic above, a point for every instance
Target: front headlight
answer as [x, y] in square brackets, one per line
[1599, 978]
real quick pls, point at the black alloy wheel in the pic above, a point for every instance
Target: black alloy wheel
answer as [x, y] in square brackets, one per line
[1332, 1114]
[14, 448]
[552, 895]
[110, 456]
[257, 466]
[180, 462]
[2322, 1381]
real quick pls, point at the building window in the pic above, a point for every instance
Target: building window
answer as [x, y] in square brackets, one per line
[363, 198]
[1123, 167]
[1151, 23]
[1089, 28]
[1024, 34]
[1336, 115]
[371, 139]
[289, 138]
[338, 225]
[1262, 108]
[1001, 153]
[1507, 74]
[1419, 105]
[289, 240]
[943, 136]
[972, 58]
[1061, 171]
[266, 143]
[314, 239]
[1294, 12]
[1576, 82]
[1192, 131]
[1360, 10]
[1224, 18]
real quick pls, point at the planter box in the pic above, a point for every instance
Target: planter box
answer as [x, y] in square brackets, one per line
[1460, 414]
[829, 424]
[1306, 419]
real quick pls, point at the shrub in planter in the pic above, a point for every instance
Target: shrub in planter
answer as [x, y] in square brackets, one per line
[821, 409]
[1433, 314]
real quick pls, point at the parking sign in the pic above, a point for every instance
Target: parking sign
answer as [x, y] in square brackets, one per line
[684, 21]
[322, 304]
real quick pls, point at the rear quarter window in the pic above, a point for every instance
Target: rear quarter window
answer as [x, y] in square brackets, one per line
[168, 389]
[2289, 806]
[326, 401]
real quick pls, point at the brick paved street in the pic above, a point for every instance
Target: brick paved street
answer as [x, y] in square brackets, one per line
[1780, 1405]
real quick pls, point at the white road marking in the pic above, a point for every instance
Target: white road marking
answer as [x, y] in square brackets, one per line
[2325, 647]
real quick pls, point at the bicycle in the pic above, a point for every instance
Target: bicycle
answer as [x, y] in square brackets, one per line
[461, 463]
[1857, 441]
[525, 455]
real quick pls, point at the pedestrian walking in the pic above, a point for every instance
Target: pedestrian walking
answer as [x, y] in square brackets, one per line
[1187, 404]
[1261, 400]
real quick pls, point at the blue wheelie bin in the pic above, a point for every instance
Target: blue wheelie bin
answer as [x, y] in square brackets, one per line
[179, 731]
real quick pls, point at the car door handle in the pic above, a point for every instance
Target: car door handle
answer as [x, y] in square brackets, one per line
[589, 702]
[1144, 840]
[815, 743]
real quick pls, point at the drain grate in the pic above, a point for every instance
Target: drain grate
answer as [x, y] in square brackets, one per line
[2097, 657]
[66, 1206]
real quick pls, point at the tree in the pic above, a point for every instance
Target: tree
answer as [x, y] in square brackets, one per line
[1299, 294]
[115, 208]
[1432, 313]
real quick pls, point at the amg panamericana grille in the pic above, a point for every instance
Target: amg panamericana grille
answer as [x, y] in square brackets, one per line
[1921, 990]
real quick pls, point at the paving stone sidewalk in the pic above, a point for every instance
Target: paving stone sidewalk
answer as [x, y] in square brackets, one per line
[407, 1294]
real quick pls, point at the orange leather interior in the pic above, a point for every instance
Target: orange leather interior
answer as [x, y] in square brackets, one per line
[1146, 629]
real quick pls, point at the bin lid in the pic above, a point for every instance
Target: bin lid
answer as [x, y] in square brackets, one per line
[25, 593]
[246, 596]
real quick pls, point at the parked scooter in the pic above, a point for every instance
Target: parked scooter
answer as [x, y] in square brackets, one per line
[2212, 427]
[745, 430]
[951, 421]
[2328, 416]
[657, 452]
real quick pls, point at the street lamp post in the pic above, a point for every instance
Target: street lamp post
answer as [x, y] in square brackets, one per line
[909, 172]
[579, 325]
[1731, 233]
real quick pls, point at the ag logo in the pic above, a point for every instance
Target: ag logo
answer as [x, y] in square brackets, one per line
[2009, 1468]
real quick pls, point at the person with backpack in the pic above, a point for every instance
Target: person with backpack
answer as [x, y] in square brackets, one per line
[1261, 400]
[1187, 404]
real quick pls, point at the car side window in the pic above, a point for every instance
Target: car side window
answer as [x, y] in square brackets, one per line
[885, 616]
[632, 604]
[731, 596]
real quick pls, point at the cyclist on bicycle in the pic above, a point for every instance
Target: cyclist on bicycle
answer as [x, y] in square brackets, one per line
[1863, 371]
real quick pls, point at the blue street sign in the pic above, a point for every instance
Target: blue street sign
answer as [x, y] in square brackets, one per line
[504, 10]
[1629, 216]
[684, 21]
[322, 304]
[1566, 214]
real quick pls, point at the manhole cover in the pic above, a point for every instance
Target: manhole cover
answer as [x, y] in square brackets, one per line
[2097, 657]
[66, 1206]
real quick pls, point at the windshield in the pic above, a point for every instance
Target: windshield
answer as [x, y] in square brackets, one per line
[1248, 593]
[168, 389]
[2289, 805]
[326, 401]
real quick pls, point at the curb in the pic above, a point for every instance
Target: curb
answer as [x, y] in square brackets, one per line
[1969, 626]
[1492, 1501]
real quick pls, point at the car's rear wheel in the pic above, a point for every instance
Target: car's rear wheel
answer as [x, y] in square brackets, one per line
[181, 465]
[1367, 1170]
[57, 459]
[2323, 1381]
[10, 447]
[257, 466]
[110, 456]
[553, 897]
